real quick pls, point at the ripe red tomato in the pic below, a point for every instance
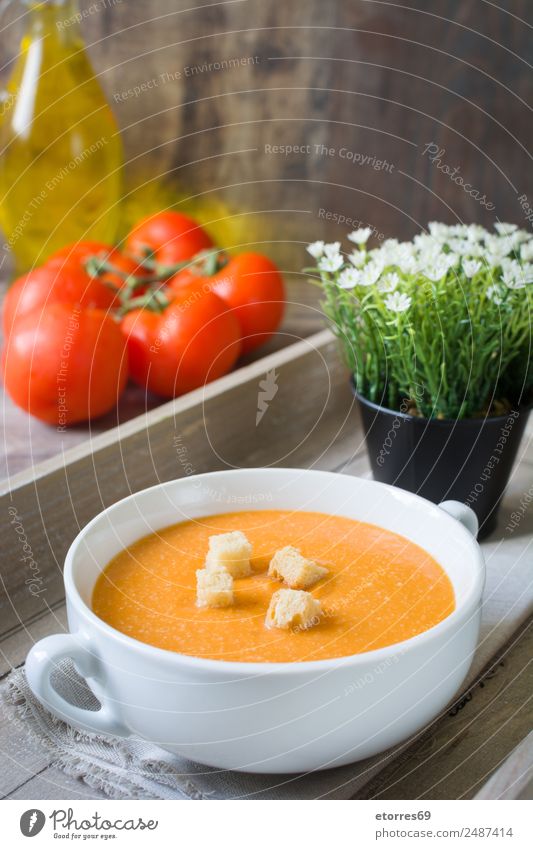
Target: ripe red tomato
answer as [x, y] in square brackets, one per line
[195, 340]
[65, 364]
[78, 252]
[169, 237]
[252, 285]
[120, 265]
[50, 284]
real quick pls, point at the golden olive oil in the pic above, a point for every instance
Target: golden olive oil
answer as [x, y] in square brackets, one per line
[60, 148]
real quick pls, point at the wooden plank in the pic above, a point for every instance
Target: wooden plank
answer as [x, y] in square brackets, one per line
[27, 772]
[455, 756]
[514, 778]
[23, 760]
[15, 647]
[41, 511]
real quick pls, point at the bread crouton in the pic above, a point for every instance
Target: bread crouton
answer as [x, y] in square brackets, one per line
[214, 588]
[298, 572]
[230, 551]
[293, 608]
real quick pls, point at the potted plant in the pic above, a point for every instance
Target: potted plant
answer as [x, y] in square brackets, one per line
[437, 334]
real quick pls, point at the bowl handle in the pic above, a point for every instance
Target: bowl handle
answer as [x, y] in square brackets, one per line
[41, 662]
[465, 515]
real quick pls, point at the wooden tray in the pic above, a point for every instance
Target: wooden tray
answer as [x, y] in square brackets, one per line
[291, 408]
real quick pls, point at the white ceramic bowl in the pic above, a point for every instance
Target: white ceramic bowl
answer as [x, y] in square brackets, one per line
[258, 717]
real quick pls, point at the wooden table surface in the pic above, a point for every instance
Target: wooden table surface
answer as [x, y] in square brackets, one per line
[454, 759]
[477, 748]
[417, 78]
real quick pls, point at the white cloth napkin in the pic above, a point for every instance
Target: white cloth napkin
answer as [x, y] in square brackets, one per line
[135, 769]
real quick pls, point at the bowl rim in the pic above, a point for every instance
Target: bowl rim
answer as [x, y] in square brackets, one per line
[464, 609]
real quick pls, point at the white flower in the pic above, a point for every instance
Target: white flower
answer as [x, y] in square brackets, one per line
[526, 251]
[466, 247]
[515, 283]
[505, 229]
[445, 250]
[360, 236]
[348, 278]
[494, 295]
[389, 282]
[527, 269]
[410, 265]
[404, 257]
[427, 243]
[460, 230]
[475, 232]
[331, 263]
[332, 249]
[461, 246]
[425, 259]
[316, 249]
[450, 259]
[507, 243]
[439, 268]
[514, 275]
[434, 273]
[526, 273]
[499, 246]
[358, 258]
[438, 230]
[367, 276]
[388, 247]
[474, 249]
[370, 274]
[493, 259]
[471, 267]
[398, 302]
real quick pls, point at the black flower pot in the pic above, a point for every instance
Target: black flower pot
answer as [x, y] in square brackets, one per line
[467, 460]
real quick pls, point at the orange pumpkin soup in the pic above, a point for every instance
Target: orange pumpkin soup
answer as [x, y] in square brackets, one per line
[380, 589]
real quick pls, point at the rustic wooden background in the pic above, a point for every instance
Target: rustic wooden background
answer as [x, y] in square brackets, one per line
[202, 89]
[380, 78]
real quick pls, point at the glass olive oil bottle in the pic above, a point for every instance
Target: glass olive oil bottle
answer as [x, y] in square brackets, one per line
[60, 148]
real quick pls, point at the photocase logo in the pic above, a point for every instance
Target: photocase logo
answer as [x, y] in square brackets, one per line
[32, 822]
[268, 388]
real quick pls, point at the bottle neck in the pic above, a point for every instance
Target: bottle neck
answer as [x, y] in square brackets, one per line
[59, 18]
